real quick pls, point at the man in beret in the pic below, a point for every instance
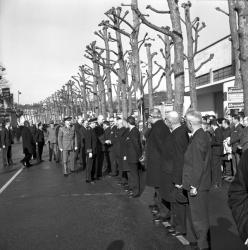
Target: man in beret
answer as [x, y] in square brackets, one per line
[67, 141]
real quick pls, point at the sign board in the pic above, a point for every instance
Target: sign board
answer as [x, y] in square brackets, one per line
[235, 105]
[235, 98]
[5, 92]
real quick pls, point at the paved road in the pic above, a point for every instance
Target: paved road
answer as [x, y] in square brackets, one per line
[41, 209]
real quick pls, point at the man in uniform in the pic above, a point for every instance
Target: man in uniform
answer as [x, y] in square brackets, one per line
[52, 141]
[67, 141]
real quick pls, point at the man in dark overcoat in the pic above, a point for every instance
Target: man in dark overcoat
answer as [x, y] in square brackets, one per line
[197, 178]
[91, 151]
[177, 144]
[78, 153]
[28, 144]
[156, 153]
[133, 154]
[217, 153]
[99, 131]
[83, 131]
[235, 138]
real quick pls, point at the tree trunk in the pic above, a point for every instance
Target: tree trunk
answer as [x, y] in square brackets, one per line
[235, 42]
[190, 57]
[149, 72]
[122, 69]
[178, 55]
[168, 69]
[134, 42]
[107, 72]
[243, 45]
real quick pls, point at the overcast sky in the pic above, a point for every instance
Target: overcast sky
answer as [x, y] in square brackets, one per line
[42, 42]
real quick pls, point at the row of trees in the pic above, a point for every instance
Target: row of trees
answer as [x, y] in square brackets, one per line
[114, 77]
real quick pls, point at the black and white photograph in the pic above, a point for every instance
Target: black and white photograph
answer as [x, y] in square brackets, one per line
[123, 124]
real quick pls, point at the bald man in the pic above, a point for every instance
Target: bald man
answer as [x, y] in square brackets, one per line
[197, 178]
[178, 142]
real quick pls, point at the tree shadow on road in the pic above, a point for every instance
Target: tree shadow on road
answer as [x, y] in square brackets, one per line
[222, 238]
[116, 245]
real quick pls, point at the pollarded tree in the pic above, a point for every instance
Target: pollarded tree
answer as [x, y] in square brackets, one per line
[192, 47]
[177, 37]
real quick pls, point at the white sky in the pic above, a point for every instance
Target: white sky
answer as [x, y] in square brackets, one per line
[42, 42]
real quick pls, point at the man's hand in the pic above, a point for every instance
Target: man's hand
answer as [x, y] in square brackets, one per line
[193, 191]
[90, 155]
[178, 186]
[246, 242]
[3, 146]
[76, 148]
[61, 149]
[124, 158]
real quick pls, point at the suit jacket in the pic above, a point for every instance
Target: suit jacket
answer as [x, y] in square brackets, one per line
[90, 141]
[197, 162]
[6, 137]
[217, 142]
[235, 137]
[133, 146]
[156, 152]
[67, 139]
[238, 197]
[180, 139]
[40, 136]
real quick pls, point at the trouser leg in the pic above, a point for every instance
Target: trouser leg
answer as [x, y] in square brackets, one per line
[72, 160]
[216, 170]
[179, 216]
[113, 163]
[65, 161]
[199, 216]
[134, 182]
[9, 155]
[4, 155]
[89, 168]
[97, 170]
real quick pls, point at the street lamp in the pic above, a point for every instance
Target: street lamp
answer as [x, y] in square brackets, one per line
[19, 93]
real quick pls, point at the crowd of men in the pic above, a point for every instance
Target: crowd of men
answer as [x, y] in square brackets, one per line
[182, 158]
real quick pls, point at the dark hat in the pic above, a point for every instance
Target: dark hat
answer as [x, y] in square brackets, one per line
[67, 118]
[93, 120]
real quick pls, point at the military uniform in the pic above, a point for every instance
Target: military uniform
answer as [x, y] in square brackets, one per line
[67, 141]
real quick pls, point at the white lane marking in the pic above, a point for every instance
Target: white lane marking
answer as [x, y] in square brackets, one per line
[10, 180]
[182, 239]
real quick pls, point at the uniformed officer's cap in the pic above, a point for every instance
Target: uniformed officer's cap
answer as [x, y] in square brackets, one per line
[68, 118]
[92, 120]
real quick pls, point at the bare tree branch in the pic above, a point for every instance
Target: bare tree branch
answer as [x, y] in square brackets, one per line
[211, 56]
[221, 10]
[157, 11]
